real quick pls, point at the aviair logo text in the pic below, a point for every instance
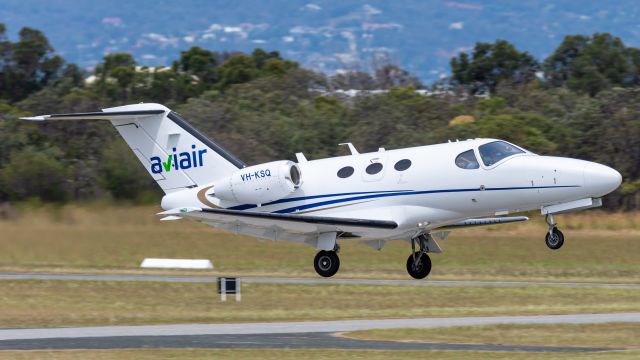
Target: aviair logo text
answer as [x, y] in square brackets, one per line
[184, 160]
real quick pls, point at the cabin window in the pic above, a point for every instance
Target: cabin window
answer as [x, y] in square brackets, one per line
[345, 172]
[402, 165]
[495, 151]
[467, 160]
[374, 168]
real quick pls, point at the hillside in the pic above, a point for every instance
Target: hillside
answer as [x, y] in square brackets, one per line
[327, 35]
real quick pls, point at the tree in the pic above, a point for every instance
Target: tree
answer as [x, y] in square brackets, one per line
[38, 173]
[201, 63]
[116, 75]
[236, 70]
[491, 64]
[123, 176]
[27, 65]
[5, 60]
[590, 64]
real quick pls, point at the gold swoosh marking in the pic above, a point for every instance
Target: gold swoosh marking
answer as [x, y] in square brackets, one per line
[202, 196]
[332, 207]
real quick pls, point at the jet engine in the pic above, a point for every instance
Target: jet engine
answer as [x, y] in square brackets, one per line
[260, 184]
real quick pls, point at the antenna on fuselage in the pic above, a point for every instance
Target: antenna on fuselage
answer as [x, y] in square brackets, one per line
[351, 148]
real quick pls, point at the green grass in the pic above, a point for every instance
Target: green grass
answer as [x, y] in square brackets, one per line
[319, 354]
[94, 238]
[36, 303]
[619, 335]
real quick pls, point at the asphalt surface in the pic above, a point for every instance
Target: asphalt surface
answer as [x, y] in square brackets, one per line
[315, 334]
[276, 280]
[265, 341]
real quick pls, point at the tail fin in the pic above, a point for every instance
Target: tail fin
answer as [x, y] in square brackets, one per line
[174, 153]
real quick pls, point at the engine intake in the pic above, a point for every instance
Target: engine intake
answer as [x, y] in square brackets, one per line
[260, 184]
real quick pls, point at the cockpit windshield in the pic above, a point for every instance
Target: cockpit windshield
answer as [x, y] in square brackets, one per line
[495, 151]
[467, 160]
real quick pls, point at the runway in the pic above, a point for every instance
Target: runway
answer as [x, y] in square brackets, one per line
[282, 280]
[313, 334]
[266, 341]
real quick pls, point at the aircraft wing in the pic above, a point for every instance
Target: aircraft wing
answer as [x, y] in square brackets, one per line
[269, 222]
[483, 222]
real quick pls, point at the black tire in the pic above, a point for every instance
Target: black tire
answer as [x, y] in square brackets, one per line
[422, 269]
[326, 263]
[555, 239]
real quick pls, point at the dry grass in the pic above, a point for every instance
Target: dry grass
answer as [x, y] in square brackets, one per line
[620, 335]
[34, 303]
[319, 354]
[96, 238]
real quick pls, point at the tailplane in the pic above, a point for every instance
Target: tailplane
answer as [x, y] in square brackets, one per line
[174, 153]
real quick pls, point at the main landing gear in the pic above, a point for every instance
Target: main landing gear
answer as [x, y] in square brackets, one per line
[327, 263]
[554, 238]
[419, 263]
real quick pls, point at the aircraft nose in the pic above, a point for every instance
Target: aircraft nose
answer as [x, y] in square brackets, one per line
[600, 179]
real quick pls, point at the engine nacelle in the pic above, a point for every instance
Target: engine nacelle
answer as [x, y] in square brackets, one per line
[260, 184]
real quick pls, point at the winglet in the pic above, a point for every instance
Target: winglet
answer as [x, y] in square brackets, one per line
[35, 118]
[170, 218]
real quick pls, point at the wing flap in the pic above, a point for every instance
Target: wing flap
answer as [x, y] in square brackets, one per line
[484, 222]
[303, 223]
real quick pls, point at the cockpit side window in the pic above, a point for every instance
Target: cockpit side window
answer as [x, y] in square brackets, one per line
[495, 151]
[467, 160]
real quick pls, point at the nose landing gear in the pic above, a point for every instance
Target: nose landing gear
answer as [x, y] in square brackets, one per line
[554, 238]
[419, 263]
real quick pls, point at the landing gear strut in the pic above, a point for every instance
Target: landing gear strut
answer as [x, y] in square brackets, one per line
[419, 263]
[327, 263]
[555, 237]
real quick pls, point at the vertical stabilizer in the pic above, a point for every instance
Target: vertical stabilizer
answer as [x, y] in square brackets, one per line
[174, 153]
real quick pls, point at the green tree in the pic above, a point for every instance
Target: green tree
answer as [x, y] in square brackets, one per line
[35, 173]
[116, 75]
[236, 70]
[491, 64]
[590, 64]
[123, 176]
[396, 119]
[201, 63]
[27, 65]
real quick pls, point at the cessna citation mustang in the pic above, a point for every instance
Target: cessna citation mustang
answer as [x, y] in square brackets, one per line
[416, 194]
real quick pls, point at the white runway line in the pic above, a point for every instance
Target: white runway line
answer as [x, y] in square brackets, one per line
[306, 327]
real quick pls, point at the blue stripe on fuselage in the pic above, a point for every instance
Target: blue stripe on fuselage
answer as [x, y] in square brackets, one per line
[302, 198]
[402, 193]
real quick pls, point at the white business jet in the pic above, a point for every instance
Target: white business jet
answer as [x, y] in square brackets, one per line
[415, 194]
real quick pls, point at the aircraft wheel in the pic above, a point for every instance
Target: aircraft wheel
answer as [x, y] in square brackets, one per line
[555, 239]
[326, 263]
[421, 269]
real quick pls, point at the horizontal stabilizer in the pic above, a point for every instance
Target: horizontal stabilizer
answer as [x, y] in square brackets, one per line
[98, 115]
